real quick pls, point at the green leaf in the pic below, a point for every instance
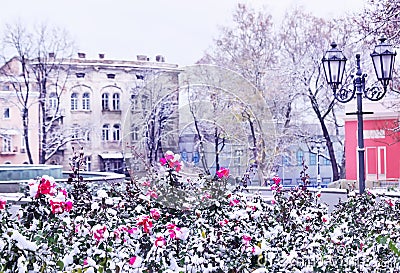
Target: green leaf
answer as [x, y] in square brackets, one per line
[393, 247]
[381, 239]
[60, 265]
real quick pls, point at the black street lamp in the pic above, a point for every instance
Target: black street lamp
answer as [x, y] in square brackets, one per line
[334, 65]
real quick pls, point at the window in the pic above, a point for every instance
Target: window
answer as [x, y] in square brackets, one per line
[23, 146]
[52, 100]
[184, 156]
[144, 102]
[86, 101]
[111, 76]
[325, 161]
[196, 157]
[287, 181]
[299, 157]
[115, 101]
[135, 133]
[313, 159]
[134, 102]
[6, 143]
[116, 132]
[6, 113]
[80, 75]
[104, 101]
[74, 101]
[105, 132]
[286, 160]
[75, 132]
[88, 163]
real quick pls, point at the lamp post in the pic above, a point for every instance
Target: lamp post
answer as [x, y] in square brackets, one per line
[318, 143]
[334, 65]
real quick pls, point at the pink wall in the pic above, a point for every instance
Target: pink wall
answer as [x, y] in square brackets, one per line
[382, 150]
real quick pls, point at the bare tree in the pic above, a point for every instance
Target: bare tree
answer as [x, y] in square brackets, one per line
[379, 18]
[40, 53]
[304, 38]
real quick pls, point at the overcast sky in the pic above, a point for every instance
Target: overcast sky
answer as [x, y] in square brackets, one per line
[180, 30]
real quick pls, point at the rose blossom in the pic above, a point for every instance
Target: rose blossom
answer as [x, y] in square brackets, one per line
[2, 203]
[223, 172]
[160, 241]
[155, 214]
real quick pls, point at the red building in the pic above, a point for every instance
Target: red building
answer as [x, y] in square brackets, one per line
[381, 141]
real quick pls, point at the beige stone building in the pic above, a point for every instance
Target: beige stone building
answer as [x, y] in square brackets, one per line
[107, 107]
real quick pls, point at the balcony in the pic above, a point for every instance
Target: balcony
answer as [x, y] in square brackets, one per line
[9, 151]
[52, 113]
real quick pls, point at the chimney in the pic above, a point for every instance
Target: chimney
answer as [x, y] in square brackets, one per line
[81, 55]
[142, 58]
[101, 56]
[160, 58]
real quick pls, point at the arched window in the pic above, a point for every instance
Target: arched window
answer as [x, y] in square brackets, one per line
[115, 101]
[74, 101]
[52, 100]
[116, 132]
[86, 101]
[104, 101]
[105, 132]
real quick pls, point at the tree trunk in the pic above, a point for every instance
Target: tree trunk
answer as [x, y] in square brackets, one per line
[331, 151]
[25, 122]
[43, 132]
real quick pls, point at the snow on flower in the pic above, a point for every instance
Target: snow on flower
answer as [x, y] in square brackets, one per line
[3, 203]
[160, 241]
[58, 206]
[276, 179]
[223, 173]
[246, 239]
[99, 232]
[171, 160]
[135, 261]
[155, 214]
[223, 222]
[145, 222]
[152, 194]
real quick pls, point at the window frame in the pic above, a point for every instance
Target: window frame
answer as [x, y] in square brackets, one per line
[105, 103]
[105, 132]
[74, 101]
[116, 99]
[116, 132]
[86, 101]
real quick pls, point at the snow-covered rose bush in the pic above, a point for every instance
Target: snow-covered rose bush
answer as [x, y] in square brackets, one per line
[126, 228]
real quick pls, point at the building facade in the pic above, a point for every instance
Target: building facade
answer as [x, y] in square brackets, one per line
[381, 142]
[96, 106]
[13, 148]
